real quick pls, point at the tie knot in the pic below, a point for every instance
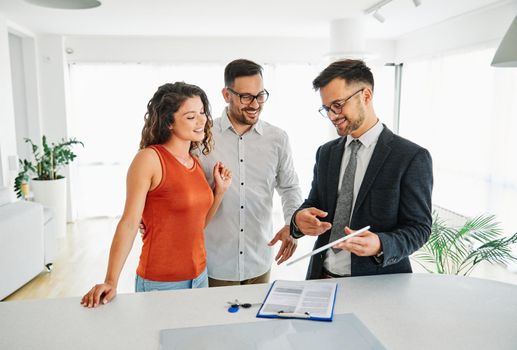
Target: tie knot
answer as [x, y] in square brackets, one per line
[354, 146]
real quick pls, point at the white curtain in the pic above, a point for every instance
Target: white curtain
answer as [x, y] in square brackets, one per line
[109, 102]
[465, 113]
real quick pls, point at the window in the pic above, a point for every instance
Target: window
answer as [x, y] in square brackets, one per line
[464, 112]
[109, 102]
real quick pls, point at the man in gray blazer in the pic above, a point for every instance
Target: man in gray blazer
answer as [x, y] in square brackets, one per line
[368, 176]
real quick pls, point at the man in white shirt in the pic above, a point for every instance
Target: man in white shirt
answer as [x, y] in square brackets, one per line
[239, 238]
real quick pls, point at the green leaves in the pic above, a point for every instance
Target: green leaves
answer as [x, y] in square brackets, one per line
[23, 176]
[46, 162]
[456, 251]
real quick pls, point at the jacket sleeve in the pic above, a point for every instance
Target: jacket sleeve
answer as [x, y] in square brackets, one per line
[415, 211]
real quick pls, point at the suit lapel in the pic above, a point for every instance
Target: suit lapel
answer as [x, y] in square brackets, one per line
[334, 166]
[381, 152]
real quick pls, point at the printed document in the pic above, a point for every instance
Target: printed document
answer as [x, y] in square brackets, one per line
[313, 300]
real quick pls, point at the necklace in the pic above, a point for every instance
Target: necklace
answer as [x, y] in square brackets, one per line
[184, 161]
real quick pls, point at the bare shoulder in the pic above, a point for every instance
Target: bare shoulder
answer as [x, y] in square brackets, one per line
[147, 155]
[146, 160]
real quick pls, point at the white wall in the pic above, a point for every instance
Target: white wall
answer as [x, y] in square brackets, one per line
[53, 76]
[477, 28]
[7, 126]
[19, 96]
[480, 28]
[176, 49]
[41, 75]
[24, 75]
[54, 93]
[32, 95]
[214, 50]
[22, 102]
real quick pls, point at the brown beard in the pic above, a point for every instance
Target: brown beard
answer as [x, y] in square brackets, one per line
[240, 118]
[355, 124]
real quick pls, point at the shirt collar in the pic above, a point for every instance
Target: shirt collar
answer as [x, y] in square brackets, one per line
[225, 121]
[258, 127]
[370, 137]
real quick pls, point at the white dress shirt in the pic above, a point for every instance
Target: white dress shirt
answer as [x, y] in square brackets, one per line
[237, 237]
[340, 263]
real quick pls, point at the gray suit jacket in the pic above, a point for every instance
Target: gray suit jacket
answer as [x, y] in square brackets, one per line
[394, 199]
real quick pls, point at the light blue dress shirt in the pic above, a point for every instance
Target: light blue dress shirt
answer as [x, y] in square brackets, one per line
[237, 237]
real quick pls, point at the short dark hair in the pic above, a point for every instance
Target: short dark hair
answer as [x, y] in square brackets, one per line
[352, 71]
[240, 68]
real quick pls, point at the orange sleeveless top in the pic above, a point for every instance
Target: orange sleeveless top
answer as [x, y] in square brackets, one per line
[174, 218]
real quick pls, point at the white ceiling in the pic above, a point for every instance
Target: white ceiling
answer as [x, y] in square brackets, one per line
[227, 18]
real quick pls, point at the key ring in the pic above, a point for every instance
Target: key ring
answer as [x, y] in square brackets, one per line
[234, 306]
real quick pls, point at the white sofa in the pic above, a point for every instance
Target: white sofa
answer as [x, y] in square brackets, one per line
[49, 237]
[21, 242]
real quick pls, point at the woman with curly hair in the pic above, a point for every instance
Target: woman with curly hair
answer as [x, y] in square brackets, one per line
[167, 191]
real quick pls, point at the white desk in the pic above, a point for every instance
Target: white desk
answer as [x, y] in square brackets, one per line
[413, 311]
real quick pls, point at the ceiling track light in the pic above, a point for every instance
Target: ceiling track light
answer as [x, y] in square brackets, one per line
[66, 4]
[378, 16]
[374, 9]
[506, 54]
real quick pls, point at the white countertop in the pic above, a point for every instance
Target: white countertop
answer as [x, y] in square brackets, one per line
[404, 311]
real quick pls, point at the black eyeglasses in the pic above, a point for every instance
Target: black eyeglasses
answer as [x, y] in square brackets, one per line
[336, 107]
[248, 98]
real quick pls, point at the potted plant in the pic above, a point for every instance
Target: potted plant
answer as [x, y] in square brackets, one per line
[48, 186]
[21, 182]
[458, 250]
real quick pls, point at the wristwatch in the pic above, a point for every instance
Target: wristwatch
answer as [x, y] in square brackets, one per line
[295, 233]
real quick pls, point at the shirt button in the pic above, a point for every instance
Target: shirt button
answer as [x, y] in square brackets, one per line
[242, 230]
[242, 160]
[242, 183]
[242, 206]
[240, 252]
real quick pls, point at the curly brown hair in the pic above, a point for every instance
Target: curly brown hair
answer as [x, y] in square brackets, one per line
[160, 115]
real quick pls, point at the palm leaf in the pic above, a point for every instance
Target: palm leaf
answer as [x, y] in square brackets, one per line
[498, 251]
[483, 229]
[420, 259]
[458, 250]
